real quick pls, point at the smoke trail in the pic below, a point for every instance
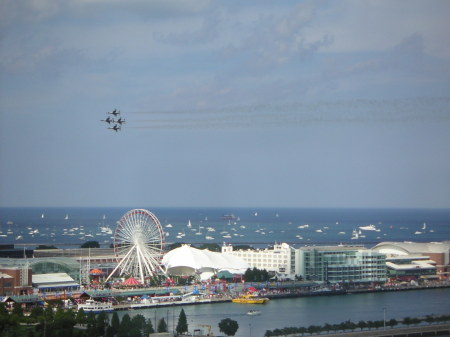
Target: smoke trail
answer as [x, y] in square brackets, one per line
[296, 114]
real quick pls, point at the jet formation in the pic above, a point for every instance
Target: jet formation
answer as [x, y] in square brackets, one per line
[117, 123]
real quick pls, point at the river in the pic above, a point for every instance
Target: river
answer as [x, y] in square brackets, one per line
[306, 311]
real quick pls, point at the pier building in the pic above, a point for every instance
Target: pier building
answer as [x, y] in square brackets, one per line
[187, 260]
[280, 259]
[426, 255]
[341, 264]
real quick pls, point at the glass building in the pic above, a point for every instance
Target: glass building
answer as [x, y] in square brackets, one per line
[46, 265]
[341, 264]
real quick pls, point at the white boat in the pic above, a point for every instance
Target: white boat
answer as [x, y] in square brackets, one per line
[189, 224]
[355, 235]
[66, 217]
[94, 306]
[368, 228]
[209, 237]
[254, 312]
[418, 232]
[169, 225]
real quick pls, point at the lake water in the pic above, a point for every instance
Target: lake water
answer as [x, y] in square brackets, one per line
[306, 311]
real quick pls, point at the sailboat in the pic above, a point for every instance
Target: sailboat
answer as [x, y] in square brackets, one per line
[189, 224]
[66, 217]
[42, 216]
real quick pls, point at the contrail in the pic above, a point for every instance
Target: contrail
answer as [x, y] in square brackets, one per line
[295, 114]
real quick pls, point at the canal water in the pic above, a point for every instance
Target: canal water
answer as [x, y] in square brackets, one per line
[306, 311]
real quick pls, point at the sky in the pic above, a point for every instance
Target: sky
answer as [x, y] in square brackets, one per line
[227, 103]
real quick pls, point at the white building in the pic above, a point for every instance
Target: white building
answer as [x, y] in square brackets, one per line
[280, 259]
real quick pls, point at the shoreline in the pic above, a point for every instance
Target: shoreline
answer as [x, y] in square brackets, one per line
[271, 296]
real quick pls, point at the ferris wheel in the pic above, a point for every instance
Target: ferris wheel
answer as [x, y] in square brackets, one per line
[138, 244]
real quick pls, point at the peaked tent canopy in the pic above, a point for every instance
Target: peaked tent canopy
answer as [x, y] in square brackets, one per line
[131, 282]
[96, 272]
[187, 260]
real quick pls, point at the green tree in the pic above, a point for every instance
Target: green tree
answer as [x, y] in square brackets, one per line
[48, 313]
[429, 319]
[392, 322]
[228, 326]
[182, 325]
[407, 321]
[17, 310]
[148, 328]
[213, 247]
[162, 326]
[81, 318]
[101, 323]
[362, 324]
[5, 319]
[90, 244]
[137, 325]
[125, 326]
[36, 312]
[115, 322]
[45, 247]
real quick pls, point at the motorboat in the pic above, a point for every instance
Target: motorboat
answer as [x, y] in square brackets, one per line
[253, 312]
[368, 228]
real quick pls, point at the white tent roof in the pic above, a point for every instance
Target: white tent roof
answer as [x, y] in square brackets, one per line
[187, 260]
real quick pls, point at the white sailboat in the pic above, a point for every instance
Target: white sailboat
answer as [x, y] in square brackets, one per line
[66, 217]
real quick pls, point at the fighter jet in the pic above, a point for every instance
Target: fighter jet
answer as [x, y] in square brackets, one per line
[120, 121]
[115, 128]
[108, 120]
[115, 112]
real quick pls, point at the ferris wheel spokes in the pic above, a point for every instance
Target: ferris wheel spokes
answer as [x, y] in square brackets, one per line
[139, 243]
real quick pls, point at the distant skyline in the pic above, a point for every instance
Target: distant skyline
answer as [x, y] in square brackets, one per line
[234, 104]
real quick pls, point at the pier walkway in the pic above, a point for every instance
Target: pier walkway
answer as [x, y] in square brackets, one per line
[415, 331]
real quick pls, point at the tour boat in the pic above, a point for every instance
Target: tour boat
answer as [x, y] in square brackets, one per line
[96, 307]
[250, 299]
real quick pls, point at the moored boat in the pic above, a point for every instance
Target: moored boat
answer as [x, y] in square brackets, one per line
[96, 307]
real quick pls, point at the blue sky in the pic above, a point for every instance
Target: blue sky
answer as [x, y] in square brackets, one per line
[227, 103]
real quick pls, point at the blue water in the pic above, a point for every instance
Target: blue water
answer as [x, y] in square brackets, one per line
[256, 226]
[307, 311]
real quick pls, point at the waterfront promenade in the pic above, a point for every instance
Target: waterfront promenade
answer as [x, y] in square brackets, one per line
[423, 330]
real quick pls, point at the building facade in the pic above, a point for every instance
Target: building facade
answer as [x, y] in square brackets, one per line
[341, 264]
[438, 253]
[280, 259]
[15, 281]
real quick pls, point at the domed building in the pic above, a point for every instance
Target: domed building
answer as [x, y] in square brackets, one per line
[413, 256]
